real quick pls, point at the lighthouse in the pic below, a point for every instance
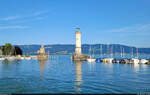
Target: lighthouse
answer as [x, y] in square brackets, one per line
[78, 56]
[78, 42]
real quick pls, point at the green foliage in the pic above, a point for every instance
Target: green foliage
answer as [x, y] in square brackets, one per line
[8, 49]
[0, 50]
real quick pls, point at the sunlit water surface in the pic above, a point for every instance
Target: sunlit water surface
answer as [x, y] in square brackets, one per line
[60, 75]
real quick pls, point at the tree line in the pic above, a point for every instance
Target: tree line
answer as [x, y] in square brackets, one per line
[10, 50]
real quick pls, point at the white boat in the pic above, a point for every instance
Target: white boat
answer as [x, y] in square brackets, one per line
[22, 58]
[143, 61]
[27, 58]
[34, 57]
[135, 60]
[1, 59]
[109, 60]
[10, 58]
[91, 59]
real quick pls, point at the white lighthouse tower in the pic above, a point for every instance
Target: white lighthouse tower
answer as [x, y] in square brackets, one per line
[78, 56]
[78, 42]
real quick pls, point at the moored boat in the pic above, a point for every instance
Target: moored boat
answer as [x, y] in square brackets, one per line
[124, 61]
[22, 58]
[99, 60]
[116, 60]
[34, 57]
[109, 60]
[1, 59]
[10, 58]
[27, 58]
[135, 60]
[91, 59]
[104, 60]
[143, 61]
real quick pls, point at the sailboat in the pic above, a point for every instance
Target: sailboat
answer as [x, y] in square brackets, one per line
[122, 53]
[123, 60]
[143, 61]
[136, 60]
[91, 59]
[100, 58]
[101, 51]
[109, 60]
[132, 53]
[115, 60]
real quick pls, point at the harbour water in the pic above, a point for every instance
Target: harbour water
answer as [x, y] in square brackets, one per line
[61, 75]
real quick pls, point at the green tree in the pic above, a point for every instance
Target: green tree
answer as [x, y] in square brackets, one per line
[8, 49]
[0, 50]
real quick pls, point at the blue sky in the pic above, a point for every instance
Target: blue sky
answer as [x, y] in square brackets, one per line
[54, 21]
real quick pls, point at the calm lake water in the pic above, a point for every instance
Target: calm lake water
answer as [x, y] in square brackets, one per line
[60, 75]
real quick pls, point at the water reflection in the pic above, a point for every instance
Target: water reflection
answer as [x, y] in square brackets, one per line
[144, 67]
[10, 62]
[136, 67]
[78, 70]
[91, 66]
[42, 67]
[7, 66]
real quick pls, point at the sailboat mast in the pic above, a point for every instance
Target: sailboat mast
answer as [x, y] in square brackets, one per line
[90, 51]
[111, 51]
[132, 53]
[93, 52]
[121, 51]
[101, 51]
[108, 49]
[137, 52]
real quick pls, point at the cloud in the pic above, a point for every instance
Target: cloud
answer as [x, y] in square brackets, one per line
[145, 28]
[20, 17]
[39, 13]
[9, 18]
[123, 29]
[139, 29]
[40, 17]
[13, 27]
